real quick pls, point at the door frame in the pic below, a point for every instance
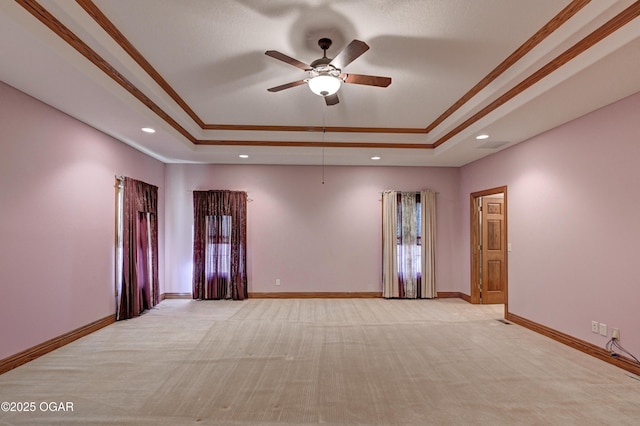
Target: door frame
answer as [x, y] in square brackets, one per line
[474, 242]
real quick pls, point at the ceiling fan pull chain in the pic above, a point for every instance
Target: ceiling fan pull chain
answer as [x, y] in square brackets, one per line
[324, 131]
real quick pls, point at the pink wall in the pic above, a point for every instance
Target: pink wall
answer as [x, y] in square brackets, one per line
[574, 223]
[57, 205]
[313, 237]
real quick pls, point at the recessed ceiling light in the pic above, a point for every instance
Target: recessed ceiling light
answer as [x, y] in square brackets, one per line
[148, 130]
[243, 156]
[480, 137]
[375, 158]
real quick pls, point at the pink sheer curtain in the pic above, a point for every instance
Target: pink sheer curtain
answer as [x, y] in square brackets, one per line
[139, 290]
[219, 245]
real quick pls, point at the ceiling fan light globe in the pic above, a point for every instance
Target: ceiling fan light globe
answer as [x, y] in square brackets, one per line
[324, 85]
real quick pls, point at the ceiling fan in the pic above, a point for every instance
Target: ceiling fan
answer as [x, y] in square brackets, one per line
[325, 74]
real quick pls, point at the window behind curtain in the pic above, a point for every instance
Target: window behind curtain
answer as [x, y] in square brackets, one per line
[218, 250]
[416, 253]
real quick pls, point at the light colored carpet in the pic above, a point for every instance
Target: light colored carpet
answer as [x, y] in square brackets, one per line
[321, 361]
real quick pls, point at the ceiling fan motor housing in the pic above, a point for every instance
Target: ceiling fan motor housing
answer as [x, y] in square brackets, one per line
[325, 44]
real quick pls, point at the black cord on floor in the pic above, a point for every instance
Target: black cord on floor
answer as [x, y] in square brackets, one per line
[614, 347]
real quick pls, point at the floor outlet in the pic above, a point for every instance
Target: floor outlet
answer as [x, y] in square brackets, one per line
[615, 333]
[603, 329]
[594, 326]
[277, 281]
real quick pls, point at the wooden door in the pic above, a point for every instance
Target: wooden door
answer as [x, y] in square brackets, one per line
[493, 248]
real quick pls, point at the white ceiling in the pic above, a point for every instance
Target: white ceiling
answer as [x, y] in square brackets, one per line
[207, 68]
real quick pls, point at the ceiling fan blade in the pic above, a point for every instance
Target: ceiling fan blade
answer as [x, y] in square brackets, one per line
[288, 59]
[331, 99]
[286, 86]
[349, 54]
[369, 80]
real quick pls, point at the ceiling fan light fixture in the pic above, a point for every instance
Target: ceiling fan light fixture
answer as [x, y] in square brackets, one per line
[324, 84]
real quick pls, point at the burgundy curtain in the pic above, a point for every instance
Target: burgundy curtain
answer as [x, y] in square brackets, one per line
[140, 238]
[220, 245]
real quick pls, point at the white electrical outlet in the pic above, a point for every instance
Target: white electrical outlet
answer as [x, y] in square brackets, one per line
[594, 326]
[615, 333]
[603, 329]
[277, 281]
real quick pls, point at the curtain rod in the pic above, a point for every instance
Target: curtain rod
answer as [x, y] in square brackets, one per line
[249, 200]
[409, 191]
